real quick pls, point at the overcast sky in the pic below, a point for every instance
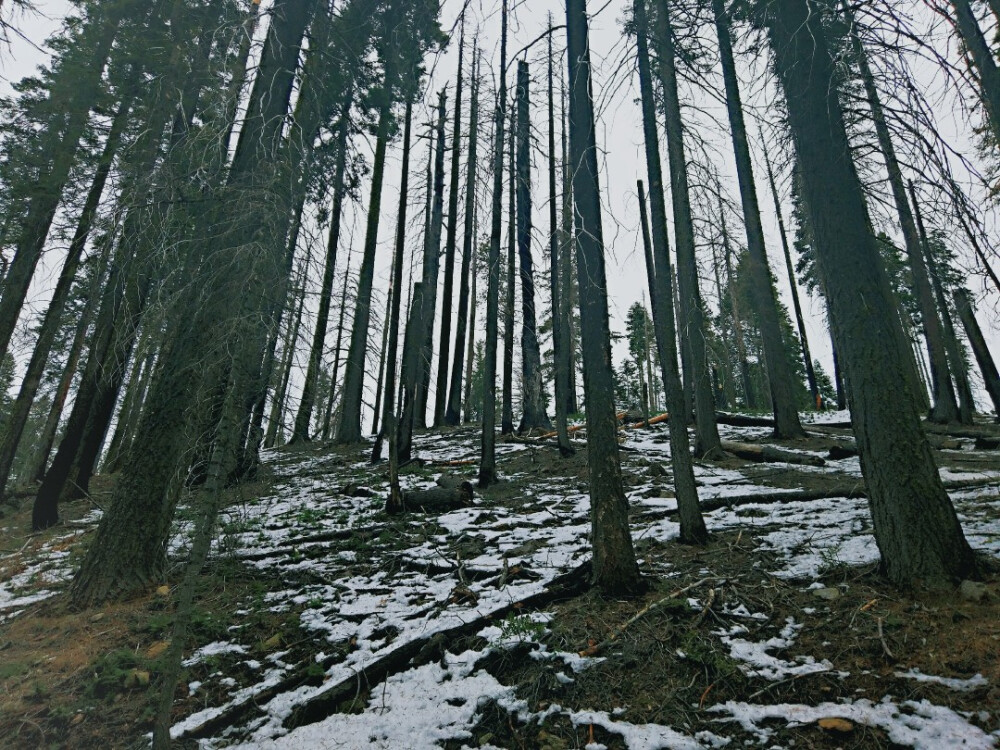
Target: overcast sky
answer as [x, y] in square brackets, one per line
[619, 137]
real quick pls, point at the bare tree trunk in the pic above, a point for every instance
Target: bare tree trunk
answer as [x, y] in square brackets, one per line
[451, 239]
[692, 314]
[945, 409]
[615, 570]
[36, 472]
[431, 269]
[790, 270]
[328, 412]
[471, 349]
[533, 414]
[915, 525]
[307, 404]
[349, 429]
[991, 378]
[660, 280]
[132, 403]
[566, 252]
[276, 423]
[956, 358]
[779, 371]
[21, 408]
[452, 414]
[410, 374]
[376, 412]
[391, 337]
[560, 332]
[507, 407]
[749, 394]
[488, 459]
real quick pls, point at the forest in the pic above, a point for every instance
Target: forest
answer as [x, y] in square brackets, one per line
[499, 374]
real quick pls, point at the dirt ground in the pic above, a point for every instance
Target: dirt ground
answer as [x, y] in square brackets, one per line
[87, 679]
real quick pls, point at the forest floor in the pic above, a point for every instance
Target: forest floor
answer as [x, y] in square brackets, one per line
[321, 622]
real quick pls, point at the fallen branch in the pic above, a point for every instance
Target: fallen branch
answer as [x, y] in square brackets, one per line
[599, 647]
[577, 427]
[848, 491]
[660, 419]
[324, 703]
[769, 454]
[742, 420]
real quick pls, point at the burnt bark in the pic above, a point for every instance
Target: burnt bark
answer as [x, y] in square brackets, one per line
[915, 525]
[692, 319]
[659, 278]
[533, 414]
[779, 372]
[615, 570]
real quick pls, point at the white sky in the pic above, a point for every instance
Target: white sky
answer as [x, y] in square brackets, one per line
[619, 136]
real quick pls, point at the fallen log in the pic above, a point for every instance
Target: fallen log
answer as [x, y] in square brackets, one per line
[769, 454]
[325, 703]
[438, 499]
[576, 428]
[838, 452]
[955, 431]
[647, 422]
[833, 492]
[742, 420]
[450, 481]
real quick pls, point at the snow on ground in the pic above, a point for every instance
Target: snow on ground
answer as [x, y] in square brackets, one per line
[384, 596]
[23, 583]
[919, 725]
[368, 587]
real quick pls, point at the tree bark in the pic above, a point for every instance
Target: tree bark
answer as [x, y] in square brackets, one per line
[308, 402]
[349, 429]
[615, 570]
[410, 372]
[749, 393]
[431, 269]
[335, 368]
[533, 414]
[941, 369]
[389, 421]
[780, 375]
[560, 332]
[692, 324]
[507, 406]
[451, 239]
[988, 368]
[453, 412]
[566, 252]
[487, 462]
[659, 277]
[790, 270]
[693, 529]
[915, 525]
